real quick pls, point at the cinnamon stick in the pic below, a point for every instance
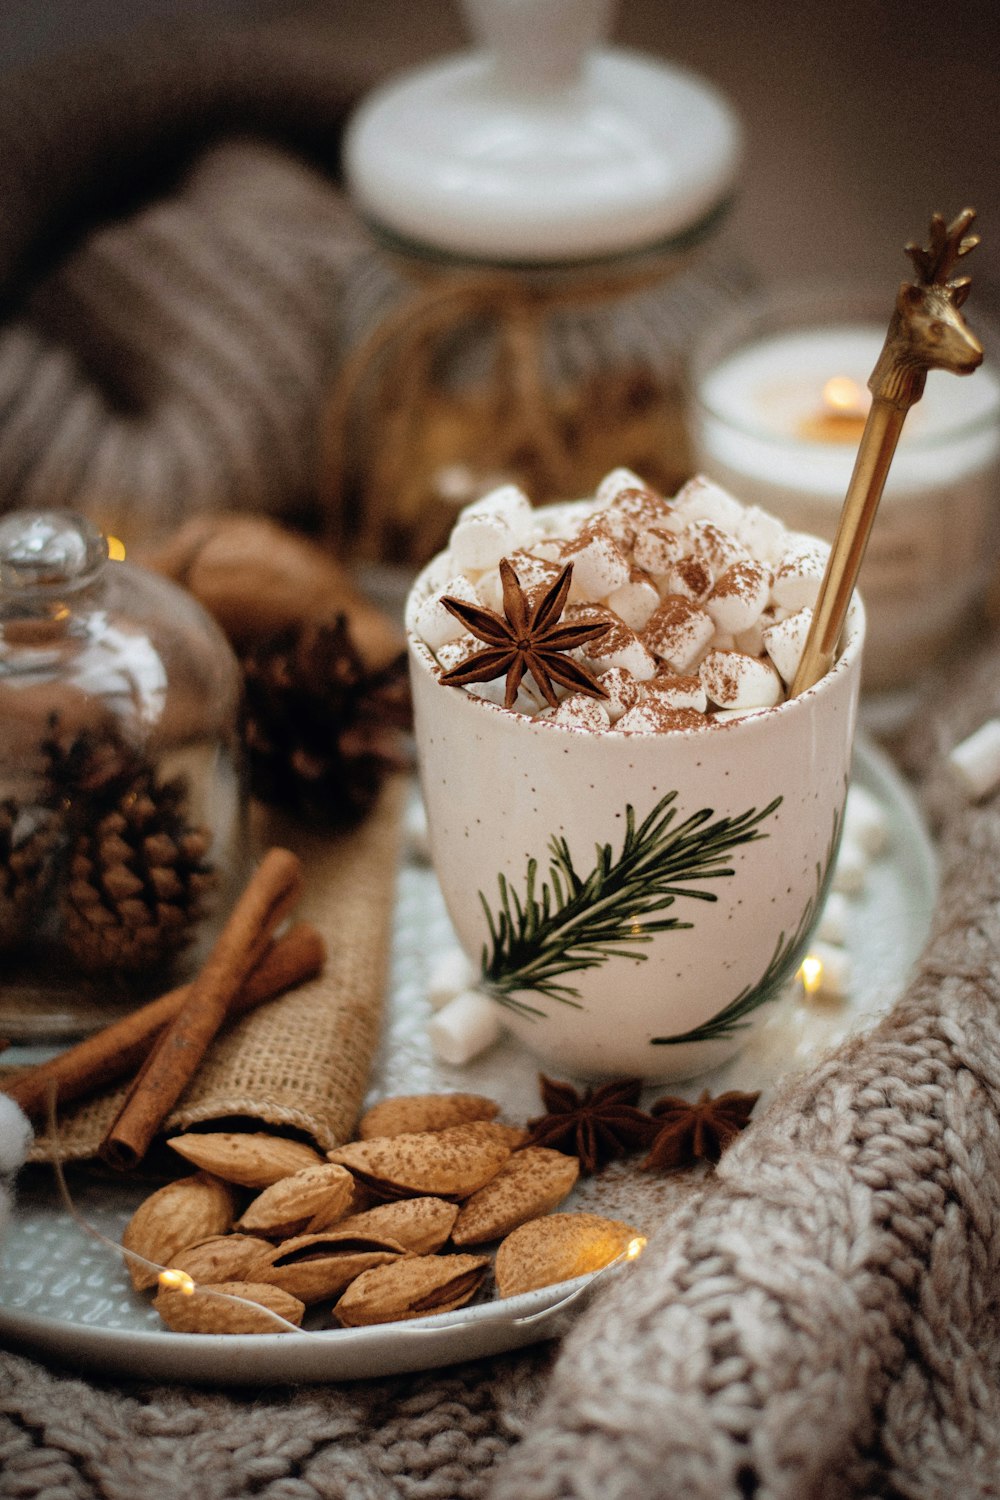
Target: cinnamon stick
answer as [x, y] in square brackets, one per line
[117, 1050]
[272, 890]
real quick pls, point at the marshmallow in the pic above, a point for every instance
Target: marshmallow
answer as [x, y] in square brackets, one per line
[653, 717]
[834, 922]
[751, 641]
[975, 763]
[785, 640]
[613, 484]
[678, 691]
[678, 632]
[451, 972]
[865, 821]
[490, 528]
[452, 653]
[527, 700]
[622, 689]
[734, 680]
[701, 500]
[762, 534]
[579, 711]
[618, 647]
[533, 574]
[738, 597]
[599, 564]
[464, 1027]
[656, 549]
[689, 577]
[437, 626]
[851, 870]
[717, 549]
[798, 575]
[634, 601]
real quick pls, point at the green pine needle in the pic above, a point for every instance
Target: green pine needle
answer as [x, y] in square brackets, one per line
[784, 961]
[573, 923]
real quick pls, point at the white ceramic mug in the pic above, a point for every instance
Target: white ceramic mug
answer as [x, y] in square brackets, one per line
[634, 900]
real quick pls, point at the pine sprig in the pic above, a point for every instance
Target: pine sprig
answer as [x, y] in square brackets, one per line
[784, 960]
[574, 923]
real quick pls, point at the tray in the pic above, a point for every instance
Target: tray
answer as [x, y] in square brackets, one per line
[65, 1296]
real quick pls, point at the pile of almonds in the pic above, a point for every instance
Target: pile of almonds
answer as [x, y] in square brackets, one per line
[380, 1229]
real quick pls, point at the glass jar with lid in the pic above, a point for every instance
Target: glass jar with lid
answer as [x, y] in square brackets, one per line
[542, 207]
[122, 793]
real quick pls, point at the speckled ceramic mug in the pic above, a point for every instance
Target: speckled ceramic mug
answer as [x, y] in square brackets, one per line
[634, 900]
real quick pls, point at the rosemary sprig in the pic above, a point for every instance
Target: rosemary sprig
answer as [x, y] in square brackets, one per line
[784, 960]
[574, 923]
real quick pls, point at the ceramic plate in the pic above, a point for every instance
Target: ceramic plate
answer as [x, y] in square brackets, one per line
[64, 1295]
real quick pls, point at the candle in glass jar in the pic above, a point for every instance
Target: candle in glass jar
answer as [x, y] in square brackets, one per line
[778, 418]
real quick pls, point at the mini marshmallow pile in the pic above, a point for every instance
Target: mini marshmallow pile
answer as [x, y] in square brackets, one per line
[708, 602]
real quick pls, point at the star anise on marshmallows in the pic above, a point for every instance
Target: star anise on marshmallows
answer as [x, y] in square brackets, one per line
[685, 1133]
[525, 638]
[598, 1125]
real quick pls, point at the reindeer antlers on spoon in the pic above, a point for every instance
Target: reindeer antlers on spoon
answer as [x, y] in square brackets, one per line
[926, 332]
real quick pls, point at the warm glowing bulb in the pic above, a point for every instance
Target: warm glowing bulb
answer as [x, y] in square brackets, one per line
[116, 549]
[178, 1280]
[811, 973]
[635, 1247]
[842, 394]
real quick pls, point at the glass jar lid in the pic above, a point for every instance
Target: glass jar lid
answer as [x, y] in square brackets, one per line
[542, 146]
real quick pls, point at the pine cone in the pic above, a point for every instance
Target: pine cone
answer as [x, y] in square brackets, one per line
[321, 731]
[27, 840]
[138, 874]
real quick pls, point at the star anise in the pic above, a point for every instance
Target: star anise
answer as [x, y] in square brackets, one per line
[687, 1132]
[525, 639]
[597, 1126]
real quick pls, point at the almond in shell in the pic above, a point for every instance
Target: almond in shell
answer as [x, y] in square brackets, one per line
[222, 1257]
[531, 1183]
[175, 1216]
[558, 1248]
[420, 1225]
[288, 1207]
[412, 1288]
[315, 1267]
[213, 1309]
[450, 1163]
[412, 1114]
[252, 1160]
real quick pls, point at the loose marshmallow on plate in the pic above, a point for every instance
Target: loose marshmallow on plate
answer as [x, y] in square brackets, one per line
[785, 640]
[866, 821]
[975, 762]
[451, 972]
[679, 632]
[490, 528]
[734, 680]
[464, 1027]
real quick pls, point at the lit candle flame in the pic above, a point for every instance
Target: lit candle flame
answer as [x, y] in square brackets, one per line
[811, 973]
[845, 397]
